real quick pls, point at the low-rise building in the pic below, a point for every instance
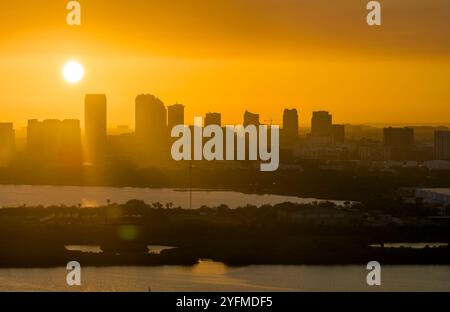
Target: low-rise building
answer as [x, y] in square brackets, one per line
[440, 196]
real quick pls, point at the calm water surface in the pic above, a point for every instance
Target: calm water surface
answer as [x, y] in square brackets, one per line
[14, 196]
[410, 245]
[213, 276]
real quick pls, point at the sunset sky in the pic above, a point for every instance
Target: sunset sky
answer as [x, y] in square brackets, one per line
[229, 56]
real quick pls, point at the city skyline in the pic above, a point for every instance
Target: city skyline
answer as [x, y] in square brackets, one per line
[308, 55]
[68, 141]
[304, 117]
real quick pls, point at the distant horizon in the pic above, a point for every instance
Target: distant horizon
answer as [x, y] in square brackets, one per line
[114, 125]
[264, 120]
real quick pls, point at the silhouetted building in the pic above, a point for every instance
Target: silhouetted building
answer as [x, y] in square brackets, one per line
[95, 127]
[339, 133]
[7, 143]
[213, 119]
[370, 150]
[70, 145]
[151, 116]
[122, 146]
[322, 124]
[434, 196]
[442, 145]
[152, 137]
[43, 140]
[399, 144]
[175, 116]
[251, 119]
[34, 136]
[398, 137]
[290, 126]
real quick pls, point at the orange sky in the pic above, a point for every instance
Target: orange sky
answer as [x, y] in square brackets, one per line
[228, 56]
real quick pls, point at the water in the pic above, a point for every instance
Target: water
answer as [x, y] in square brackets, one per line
[15, 196]
[96, 249]
[213, 276]
[410, 245]
[85, 248]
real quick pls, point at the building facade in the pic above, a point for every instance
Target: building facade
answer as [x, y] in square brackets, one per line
[442, 145]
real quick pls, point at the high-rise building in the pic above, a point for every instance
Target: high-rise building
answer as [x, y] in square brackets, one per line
[339, 133]
[43, 140]
[251, 119]
[213, 119]
[175, 116]
[399, 144]
[290, 125]
[7, 143]
[51, 134]
[54, 142]
[152, 136]
[322, 124]
[398, 137]
[151, 118]
[70, 146]
[34, 136]
[95, 127]
[442, 145]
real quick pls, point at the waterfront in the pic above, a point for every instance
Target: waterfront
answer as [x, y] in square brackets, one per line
[214, 276]
[88, 196]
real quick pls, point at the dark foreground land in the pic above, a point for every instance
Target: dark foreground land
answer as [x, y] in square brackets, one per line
[337, 180]
[281, 234]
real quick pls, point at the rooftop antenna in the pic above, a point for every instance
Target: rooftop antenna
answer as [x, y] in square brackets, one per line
[270, 121]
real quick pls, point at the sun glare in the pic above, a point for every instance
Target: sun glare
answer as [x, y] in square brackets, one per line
[73, 72]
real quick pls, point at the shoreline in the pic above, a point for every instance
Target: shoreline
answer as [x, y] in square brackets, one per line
[185, 257]
[285, 234]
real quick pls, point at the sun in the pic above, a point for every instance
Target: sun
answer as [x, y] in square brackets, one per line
[73, 72]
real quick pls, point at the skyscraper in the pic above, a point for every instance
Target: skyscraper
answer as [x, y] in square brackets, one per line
[43, 140]
[175, 116]
[290, 126]
[151, 130]
[442, 145]
[33, 136]
[251, 119]
[213, 119]
[339, 133]
[95, 126]
[398, 137]
[398, 144]
[151, 118]
[7, 143]
[322, 124]
[70, 146]
[54, 142]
